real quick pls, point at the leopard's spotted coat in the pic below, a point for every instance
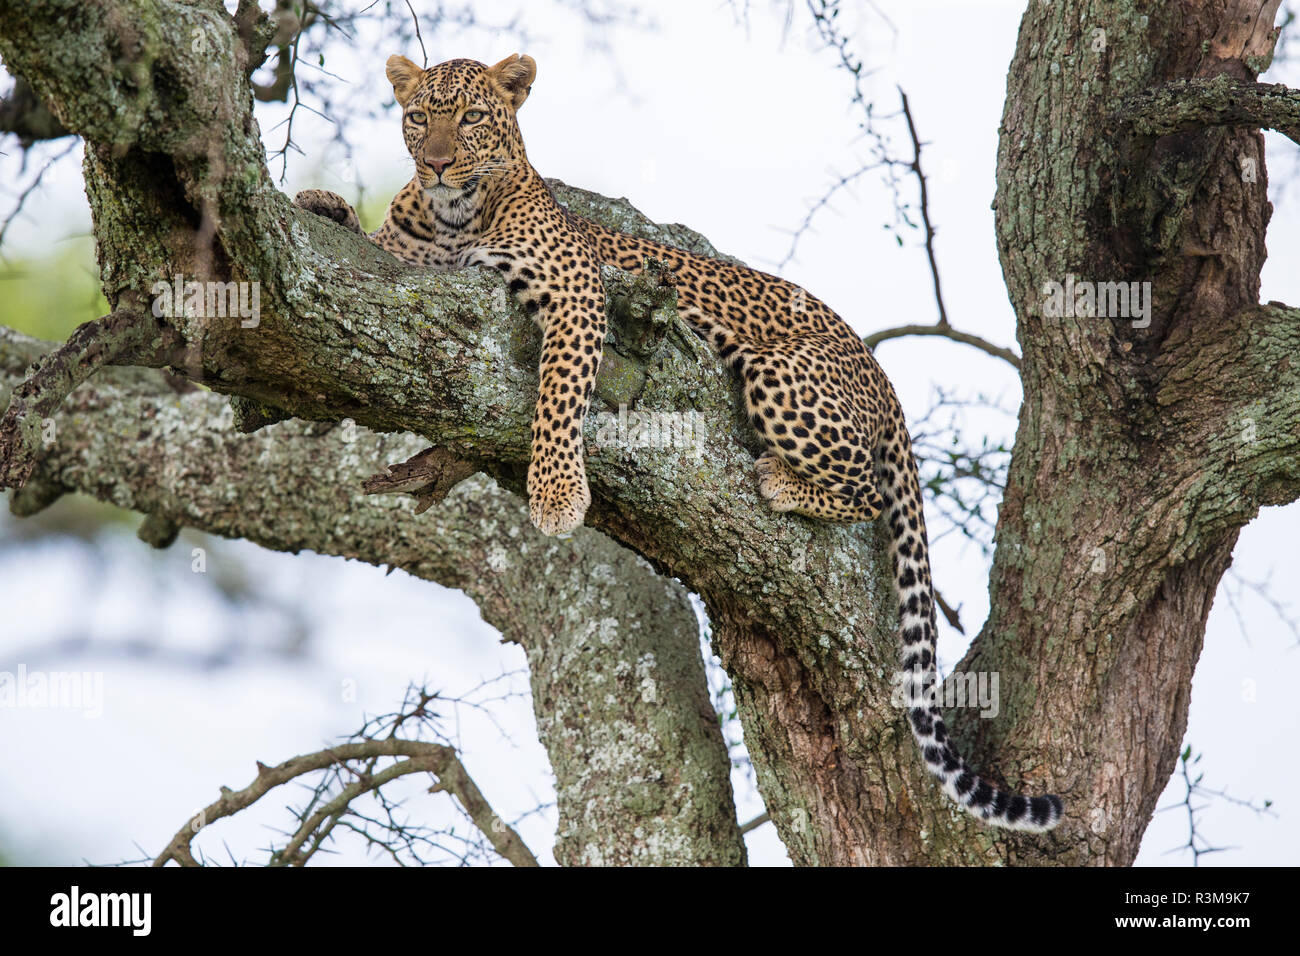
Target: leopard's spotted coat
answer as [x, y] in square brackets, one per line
[837, 445]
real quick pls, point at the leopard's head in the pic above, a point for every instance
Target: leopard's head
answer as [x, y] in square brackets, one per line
[458, 118]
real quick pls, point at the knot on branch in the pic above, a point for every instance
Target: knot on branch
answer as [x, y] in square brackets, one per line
[158, 531]
[642, 311]
[642, 307]
[252, 415]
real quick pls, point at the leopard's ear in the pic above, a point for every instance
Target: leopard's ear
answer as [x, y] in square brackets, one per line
[405, 77]
[515, 75]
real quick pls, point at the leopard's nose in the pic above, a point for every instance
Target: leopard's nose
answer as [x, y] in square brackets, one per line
[439, 164]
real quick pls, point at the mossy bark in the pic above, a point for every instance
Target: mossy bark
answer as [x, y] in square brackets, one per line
[1145, 443]
[618, 683]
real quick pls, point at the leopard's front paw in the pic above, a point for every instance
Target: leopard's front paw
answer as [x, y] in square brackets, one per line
[774, 482]
[557, 503]
[330, 205]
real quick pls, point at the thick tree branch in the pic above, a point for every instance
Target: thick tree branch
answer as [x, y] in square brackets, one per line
[613, 648]
[1200, 103]
[1130, 478]
[1251, 436]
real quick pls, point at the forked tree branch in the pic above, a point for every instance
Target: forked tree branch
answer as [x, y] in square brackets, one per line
[299, 485]
[418, 756]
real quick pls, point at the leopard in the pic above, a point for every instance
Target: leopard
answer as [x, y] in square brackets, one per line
[836, 444]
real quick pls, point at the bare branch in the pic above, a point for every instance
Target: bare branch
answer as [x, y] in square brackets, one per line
[1234, 586]
[925, 208]
[421, 757]
[947, 332]
[31, 188]
[1197, 843]
[824, 14]
[416, 20]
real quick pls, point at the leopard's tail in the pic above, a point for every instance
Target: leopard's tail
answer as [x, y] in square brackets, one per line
[900, 486]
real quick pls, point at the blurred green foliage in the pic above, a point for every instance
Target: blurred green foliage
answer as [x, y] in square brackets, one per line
[47, 296]
[50, 296]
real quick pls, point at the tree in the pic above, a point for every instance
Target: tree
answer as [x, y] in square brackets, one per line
[1131, 170]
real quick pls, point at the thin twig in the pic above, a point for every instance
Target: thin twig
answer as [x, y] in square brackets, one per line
[31, 187]
[925, 208]
[1196, 840]
[423, 53]
[947, 332]
[825, 14]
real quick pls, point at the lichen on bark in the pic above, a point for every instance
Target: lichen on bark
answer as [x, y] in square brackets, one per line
[1125, 458]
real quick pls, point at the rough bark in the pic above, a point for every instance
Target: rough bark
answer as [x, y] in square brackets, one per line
[618, 683]
[1157, 443]
[1117, 449]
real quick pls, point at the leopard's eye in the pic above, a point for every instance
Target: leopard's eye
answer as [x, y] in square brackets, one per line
[471, 117]
[415, 116]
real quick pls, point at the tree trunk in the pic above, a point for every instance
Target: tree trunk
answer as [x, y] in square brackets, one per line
[1142, 448]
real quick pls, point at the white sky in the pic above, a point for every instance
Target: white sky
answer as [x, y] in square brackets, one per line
[729, 129]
